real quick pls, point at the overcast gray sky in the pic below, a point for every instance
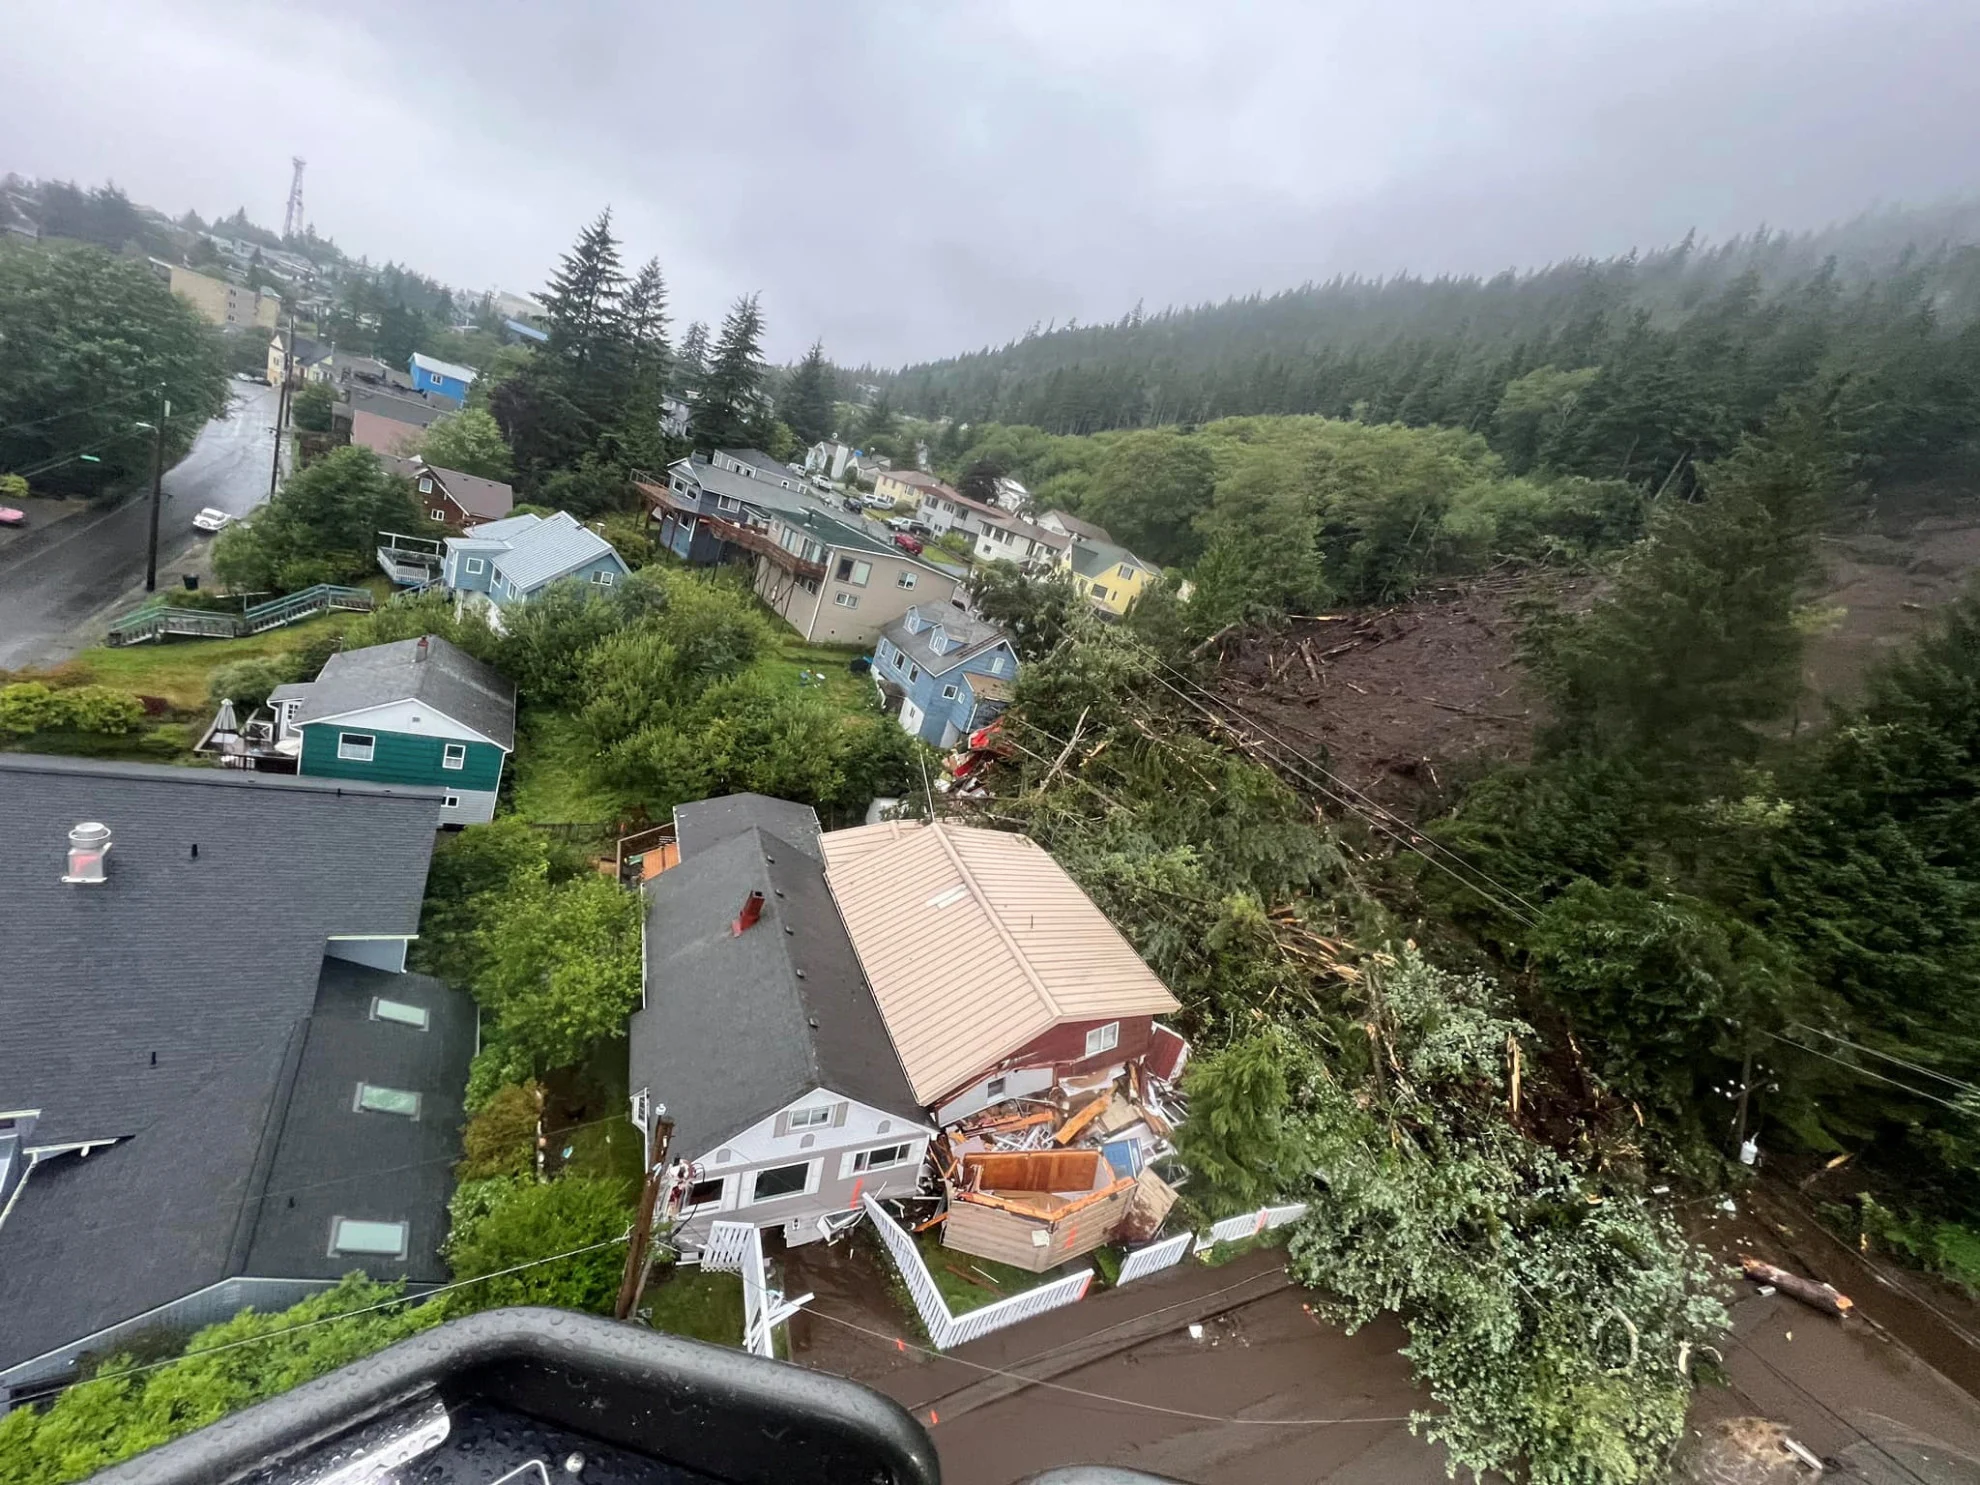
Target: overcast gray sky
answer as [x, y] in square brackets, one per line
[912, 180]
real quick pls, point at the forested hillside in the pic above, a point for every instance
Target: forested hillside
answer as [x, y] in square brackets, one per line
[1638, 367]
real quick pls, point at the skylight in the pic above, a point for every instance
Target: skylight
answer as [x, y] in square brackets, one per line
[378, 1100]
[398, 1011]
[949, 898]
[377, 1239]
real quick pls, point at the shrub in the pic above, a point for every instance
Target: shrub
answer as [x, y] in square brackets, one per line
[13, 487]
[100, 709]
[247, 683]
[500, 1140]
[29, 706]
[501, 1223]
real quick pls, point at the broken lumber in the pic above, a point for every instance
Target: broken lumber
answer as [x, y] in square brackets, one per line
[1306, 654]
[1824, 1297]
[1069, 1131]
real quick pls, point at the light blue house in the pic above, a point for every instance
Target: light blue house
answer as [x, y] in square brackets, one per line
[501, 563]
[952, 673]
[441, 378]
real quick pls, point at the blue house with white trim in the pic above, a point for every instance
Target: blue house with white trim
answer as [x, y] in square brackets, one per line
[441, 378]
[953, 674]
[501, 563]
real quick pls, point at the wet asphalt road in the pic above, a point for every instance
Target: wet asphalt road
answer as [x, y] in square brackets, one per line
[49, 587]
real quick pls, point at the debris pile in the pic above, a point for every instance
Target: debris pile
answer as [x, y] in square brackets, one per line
[1033, 1182]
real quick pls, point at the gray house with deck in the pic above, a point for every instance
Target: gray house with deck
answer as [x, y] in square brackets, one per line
[758, 1034]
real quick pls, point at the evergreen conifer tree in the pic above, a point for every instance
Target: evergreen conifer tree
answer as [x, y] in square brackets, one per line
[808, 406]
[730, 414]
[583, 301]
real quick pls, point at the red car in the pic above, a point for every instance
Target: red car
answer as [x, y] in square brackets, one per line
[12, 517]
[909, 544]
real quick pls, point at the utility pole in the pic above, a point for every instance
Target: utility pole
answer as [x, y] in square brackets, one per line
[1739, 1112]
[640, 1246]
[157, 489]
[282, 404]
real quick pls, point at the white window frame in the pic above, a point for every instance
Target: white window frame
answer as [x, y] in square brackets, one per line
[950, 692]
[819, 1118]
[603, 577]
[727, 502]
[352, 751]
[721, 1184]
[451, 802]
[913, 671]
[1103, 1038]
[862, 1163]
[996, 1086]
[846, 600]
[810, 585]
[907, 579]
[453, 755]
[854, 571]
[426, 484]
[811, 1173]
[436, 515]
[337, 1225]
[474, 566]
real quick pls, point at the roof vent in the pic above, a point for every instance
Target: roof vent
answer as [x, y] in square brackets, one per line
[420, 649]
[89, 843]
[752, 909]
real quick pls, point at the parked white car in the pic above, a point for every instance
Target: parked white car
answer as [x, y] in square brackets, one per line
[212, 519]
[880, 502]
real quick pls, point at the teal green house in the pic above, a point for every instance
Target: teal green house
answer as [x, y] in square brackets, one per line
[419, 711]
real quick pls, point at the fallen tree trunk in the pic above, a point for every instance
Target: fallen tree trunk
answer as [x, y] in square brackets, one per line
[1823, 1297]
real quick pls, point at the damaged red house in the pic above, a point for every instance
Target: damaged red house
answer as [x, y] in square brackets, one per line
[1025, 1022]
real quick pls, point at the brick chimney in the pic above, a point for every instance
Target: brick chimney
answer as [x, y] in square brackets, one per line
[752, 909]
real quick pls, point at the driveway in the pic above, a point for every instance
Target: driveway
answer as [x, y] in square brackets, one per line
[52, 581]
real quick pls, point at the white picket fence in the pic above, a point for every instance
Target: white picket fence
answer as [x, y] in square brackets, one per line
[945, 1329]
[737, 1247]
[1156, 1257]
[1231, 1229]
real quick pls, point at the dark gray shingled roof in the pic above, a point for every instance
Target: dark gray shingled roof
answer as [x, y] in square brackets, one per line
[449, 680]
[971, 638]
[708, 822]
[727, 1034]
[335, 1161]
[164, 1004]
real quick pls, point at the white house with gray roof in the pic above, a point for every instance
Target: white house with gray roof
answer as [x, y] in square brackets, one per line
[501, 563]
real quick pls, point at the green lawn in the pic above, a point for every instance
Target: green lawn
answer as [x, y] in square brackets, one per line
[701, 1306]
[177, 669]
[554, 766]
[605, 1143]
[801, 664]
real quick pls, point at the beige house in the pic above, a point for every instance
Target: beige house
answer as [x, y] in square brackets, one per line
[221, 302]
[836, 585]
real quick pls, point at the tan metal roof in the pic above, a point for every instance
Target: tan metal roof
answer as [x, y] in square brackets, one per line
[975, 942]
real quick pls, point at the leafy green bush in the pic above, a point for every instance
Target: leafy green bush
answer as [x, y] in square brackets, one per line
[13, 487]
[116, 1415]
[27, 707]
[500, 1140]
[500, 1223]
[247, 683]
[562, 967]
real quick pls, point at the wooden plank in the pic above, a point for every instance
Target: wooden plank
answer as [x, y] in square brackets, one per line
[1032, 1170]
[1069, 1131]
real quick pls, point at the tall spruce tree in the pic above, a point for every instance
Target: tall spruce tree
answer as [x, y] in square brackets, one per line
[808, 404]
[731, 413]
[643, 313]
[584, 303]
[691, 363]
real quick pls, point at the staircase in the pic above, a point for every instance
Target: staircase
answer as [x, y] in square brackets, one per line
[156, 618]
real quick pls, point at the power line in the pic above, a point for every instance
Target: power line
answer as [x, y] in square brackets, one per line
[75, 412]
[1865, 1072]
[1961, 1084]
[255, 1340]
[1105, 1397]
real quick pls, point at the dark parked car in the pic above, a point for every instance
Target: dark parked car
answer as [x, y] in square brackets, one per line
[909, 544]
[854, 504]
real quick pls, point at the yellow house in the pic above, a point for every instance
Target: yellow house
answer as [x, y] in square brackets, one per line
[221, 302]
[1111, 577]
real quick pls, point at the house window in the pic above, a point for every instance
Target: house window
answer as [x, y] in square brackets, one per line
[853, 572]
[603, 579]
[372, 1239]
[811, 585]
[727, 502]
[400, 1012]
[884, 1158]
[949, 693]
[1124, 571]
[356, 747]
[846, 600]
[914, 671]
[1099, 592]
[426, 484]
[994, 1088]
[810, 1118]
[1103, 1038]
[436, 514]
[451, 802]
[373, 1098]
[906, 580]
[780, 1180]
[474, 565]
[454, 755]
[704, 1193]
